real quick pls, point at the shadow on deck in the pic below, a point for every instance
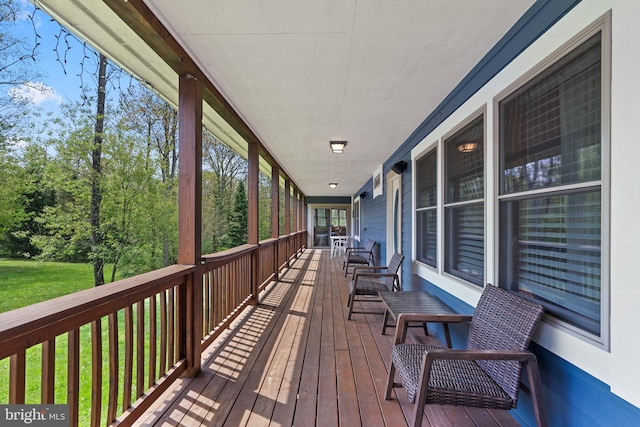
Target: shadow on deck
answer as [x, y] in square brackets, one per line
[294, 359]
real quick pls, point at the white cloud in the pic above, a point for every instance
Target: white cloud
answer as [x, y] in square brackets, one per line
[34, 93]
[18, 143]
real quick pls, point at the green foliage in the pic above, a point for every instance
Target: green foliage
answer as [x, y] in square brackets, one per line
[32, 195]
[12, 196]
[223, 169]
[239, 218]
[45, 196]
[264, 207]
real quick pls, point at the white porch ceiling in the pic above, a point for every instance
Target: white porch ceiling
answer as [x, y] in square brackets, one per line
[304, 72]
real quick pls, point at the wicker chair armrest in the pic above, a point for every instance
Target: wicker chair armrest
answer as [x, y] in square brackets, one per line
[376, 275]
[368, 267]
[449, 354]
[358, 251]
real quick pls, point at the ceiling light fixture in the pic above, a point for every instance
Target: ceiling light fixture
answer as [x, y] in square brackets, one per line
[467, 147]
[333, 185]
[337, 147]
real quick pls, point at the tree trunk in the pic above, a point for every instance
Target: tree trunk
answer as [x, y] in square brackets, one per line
[96, 177]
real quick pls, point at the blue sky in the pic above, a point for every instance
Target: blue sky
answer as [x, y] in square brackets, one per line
[54, 85]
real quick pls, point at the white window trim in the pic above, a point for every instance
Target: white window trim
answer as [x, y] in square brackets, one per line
[482, 111]
[602, 25]
[377, 178]
[556, 333]
[356, 230]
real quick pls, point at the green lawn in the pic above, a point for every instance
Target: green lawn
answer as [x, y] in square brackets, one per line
[27, 282]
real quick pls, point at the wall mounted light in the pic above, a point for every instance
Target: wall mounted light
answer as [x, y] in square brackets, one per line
[399, 167]
[333, 185]
[467, 147]
[337, 147]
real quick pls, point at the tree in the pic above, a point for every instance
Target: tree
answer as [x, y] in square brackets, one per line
[222, 169]
[155, 121]
[18, 73]
[264, 207]
[238, 229]
[27, 185]
[12, 197]
[129, 202]
[17, 70]
[96, 176]
[65, 230]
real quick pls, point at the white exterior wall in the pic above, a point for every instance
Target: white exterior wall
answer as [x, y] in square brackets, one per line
[618, 365]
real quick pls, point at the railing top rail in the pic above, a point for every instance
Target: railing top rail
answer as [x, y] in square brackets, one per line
[268, 241]
[225, 257]
[33, 324]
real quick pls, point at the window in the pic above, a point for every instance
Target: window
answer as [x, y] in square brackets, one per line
[356, 217]
[550, 188]
[338, 222]
[426, 208]
[320, 227]
[464, 203]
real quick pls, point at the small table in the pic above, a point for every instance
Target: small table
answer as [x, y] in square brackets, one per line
[419, 306]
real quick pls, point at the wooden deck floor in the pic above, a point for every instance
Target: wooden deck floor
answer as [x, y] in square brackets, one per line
[294, 360]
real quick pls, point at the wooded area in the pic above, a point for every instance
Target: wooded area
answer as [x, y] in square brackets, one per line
[98, 181]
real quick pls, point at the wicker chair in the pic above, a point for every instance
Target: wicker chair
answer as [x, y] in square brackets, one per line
[354, 256]
[369, 280]
[487, 373]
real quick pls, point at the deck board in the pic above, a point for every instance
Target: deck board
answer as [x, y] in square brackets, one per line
[294, 359]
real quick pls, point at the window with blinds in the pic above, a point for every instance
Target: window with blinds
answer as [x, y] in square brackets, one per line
[550, 188]
[426, 208]
[356, 217]
[464, 203]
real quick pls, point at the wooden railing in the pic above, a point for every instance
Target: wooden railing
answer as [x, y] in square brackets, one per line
[116, 348]
[233, 278]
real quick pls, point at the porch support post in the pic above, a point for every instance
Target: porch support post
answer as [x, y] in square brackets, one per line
[275, 217]
[287, 217]
[304, 219]
[296, 208]
[190, 216]
[252, 215]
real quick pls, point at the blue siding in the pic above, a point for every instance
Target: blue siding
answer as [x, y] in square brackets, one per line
[571, 396]
[373, 221]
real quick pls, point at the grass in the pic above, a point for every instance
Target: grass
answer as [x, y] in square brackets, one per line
[26, 282]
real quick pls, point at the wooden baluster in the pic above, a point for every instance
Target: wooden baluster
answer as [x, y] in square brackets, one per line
[17, 367]
[140, 360]
[207, 307]
[171, 329]
[96, 372]
[128, 358]
[180, 329]
[47, 377]
[217, 295]
[153, 344]
[112, 408]
[163, 333]
[73, 376]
